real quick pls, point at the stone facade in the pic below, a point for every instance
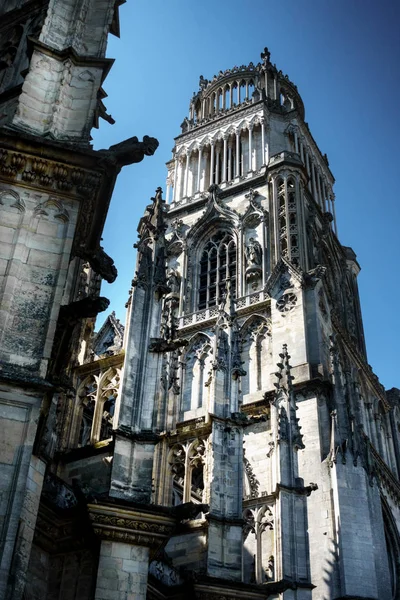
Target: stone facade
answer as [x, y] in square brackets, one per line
[231, 440]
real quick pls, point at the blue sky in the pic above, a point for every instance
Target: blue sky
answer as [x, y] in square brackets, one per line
[344, 57]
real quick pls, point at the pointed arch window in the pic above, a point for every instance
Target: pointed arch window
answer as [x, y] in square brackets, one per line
[217, 266]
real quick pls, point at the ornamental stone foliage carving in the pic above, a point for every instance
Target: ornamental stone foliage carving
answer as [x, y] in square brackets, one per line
[254, 484]
[46, 174]
[140, 528]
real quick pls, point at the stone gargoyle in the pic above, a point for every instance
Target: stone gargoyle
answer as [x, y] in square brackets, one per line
[82, 309]
[130, 151]
[100, 262]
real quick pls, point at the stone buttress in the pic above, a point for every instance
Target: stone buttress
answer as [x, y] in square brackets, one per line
[54, 196]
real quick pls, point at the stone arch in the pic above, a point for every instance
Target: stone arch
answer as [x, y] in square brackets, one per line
[12, 199]
[255, 354]
[197, 368]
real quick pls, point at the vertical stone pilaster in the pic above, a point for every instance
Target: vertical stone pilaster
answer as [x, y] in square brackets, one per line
[225, 500]
[129, 539]
[122, 572]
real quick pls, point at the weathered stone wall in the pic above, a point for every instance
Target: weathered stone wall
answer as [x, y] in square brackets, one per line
[37, 232]
[90, 472]
[21, 479]
[188, 550]
[71, 575]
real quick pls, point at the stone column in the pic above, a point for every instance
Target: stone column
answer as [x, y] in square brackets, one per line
[308, 167]
[314, 185]
[250, 148]
[217, 165]
[212, 164]
[199, 172]
[334, 213]
[263, 161]
[230, 161]
[324, 199]
[237, 152]
[224, 178]
[296, 142]
[174, 197]
[185, 190]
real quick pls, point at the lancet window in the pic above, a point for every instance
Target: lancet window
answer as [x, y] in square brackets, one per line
[96, 400]
[217, 268]
[255, 357]
[258, 540]
[282, 218]
[186, 465]
[197, 366]
[287, 219]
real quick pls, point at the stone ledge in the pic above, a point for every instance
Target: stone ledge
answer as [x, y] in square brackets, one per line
[132, 526]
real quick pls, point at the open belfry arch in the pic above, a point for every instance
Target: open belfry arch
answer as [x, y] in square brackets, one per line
[230, 441]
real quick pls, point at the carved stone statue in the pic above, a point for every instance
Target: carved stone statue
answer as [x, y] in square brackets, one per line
[253, 253]
[174, 281]
[254, 262]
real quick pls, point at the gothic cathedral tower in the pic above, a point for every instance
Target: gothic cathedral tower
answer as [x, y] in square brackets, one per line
[254, 408]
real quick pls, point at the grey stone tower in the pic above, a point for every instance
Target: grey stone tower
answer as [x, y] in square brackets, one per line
[246, 390]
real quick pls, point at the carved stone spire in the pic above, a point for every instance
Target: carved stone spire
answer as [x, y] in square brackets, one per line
[289, 429]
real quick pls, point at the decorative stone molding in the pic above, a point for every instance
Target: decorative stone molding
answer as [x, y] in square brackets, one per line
[131, 526]
[47, 175]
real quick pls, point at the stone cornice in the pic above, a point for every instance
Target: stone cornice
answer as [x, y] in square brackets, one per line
[65, 171]
[70, 54]
[305, 132]
[386, 478]
[131, 526]
[234, 188]
[215, 589]
[187, 430]
[54, 533]
[36, 170]
[223, 119]
[100, 364]
[360, 361]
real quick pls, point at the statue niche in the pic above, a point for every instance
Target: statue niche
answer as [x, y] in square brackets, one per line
[253, 262]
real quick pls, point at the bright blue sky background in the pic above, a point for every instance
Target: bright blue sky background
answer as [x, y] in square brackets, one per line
[344, 57]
